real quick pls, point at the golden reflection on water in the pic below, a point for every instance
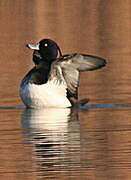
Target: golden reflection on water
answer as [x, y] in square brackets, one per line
[95, 143]
[63, 143]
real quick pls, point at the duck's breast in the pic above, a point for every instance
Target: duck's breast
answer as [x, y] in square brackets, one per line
[50, 94]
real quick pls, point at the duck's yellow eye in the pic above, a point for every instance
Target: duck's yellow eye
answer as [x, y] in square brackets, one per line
[45, 44]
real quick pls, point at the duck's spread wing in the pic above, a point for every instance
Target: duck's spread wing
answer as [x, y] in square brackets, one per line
[82, 62]
[66, 69]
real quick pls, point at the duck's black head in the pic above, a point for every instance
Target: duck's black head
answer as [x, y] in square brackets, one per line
[46, 50]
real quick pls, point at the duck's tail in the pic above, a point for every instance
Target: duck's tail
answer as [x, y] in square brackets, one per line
[81, 102]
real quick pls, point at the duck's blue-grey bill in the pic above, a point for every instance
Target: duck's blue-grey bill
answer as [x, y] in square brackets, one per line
[33, 46]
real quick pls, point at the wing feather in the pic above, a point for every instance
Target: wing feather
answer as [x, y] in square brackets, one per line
[66, 69]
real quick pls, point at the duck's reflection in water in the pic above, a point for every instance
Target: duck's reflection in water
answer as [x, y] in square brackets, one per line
[55, 135]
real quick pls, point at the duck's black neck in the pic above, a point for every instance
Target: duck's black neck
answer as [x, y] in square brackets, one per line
[37, 59]
[40, 73]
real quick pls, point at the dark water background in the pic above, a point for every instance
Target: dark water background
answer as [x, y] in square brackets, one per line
[93, 143]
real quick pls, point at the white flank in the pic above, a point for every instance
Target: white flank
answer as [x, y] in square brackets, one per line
[51, 94]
